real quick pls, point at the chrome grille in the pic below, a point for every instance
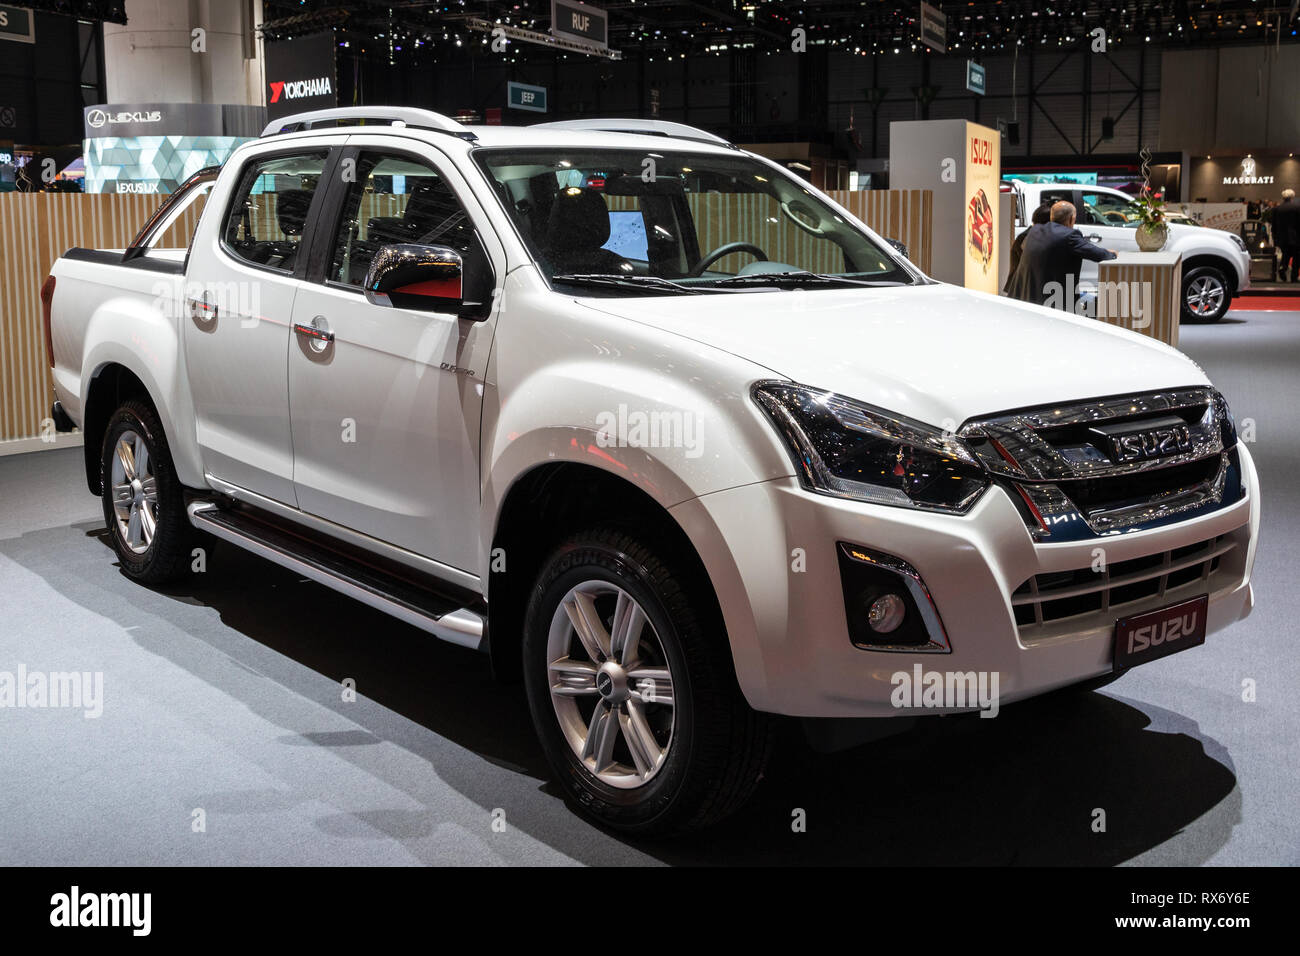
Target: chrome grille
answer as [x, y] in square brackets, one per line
[1060, 595]
[1111, 464]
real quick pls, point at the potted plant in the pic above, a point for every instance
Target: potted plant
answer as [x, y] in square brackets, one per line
[1152, 230]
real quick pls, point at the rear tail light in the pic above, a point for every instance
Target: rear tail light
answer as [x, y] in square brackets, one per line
[47, 300]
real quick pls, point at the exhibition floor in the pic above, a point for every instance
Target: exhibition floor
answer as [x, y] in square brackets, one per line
[224, 696]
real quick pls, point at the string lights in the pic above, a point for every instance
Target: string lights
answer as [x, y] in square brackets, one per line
[674, 30]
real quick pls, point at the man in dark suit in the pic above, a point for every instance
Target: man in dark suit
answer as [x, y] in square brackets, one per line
[1041, 215]
[1286, 234]
[1050, 259]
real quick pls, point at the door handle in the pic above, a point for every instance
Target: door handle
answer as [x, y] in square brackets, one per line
[202, 311]
[1095, 237]
[318, 334]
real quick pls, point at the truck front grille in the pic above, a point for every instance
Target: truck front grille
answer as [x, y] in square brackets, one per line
[1121, 586]
[1112, 464]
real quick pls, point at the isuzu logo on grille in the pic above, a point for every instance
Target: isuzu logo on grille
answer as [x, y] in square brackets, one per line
[1154, 438]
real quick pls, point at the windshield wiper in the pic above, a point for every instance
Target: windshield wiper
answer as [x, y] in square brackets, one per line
[802, 277]
[638, 283]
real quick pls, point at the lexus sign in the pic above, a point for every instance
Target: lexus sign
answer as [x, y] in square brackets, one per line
[300, 75]
[151, 119]
[97, 118]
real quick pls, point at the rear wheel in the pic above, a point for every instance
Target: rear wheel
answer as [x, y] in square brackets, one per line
[1206, 294]
[144, 503]
[631, 688]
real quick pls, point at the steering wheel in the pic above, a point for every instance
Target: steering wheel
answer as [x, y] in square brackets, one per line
[726, 250]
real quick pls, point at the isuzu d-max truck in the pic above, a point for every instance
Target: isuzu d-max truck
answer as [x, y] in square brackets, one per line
[669, 434]
[1216, 264]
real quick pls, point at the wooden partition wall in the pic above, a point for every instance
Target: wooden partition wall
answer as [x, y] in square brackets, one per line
[36, 228]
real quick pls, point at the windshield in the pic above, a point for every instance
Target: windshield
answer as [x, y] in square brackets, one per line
[675, 222]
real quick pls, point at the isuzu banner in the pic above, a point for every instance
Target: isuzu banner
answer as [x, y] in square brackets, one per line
[961, 162]
[300, 75]
[983, 172]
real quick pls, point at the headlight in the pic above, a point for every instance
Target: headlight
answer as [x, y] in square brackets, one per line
[851, 450]
[1227, 424]
[1241, 244]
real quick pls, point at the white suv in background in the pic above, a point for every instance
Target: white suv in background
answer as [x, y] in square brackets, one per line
[654, 423]
[1216, 264]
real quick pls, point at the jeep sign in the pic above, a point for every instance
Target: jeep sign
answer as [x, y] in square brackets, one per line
[521, 96]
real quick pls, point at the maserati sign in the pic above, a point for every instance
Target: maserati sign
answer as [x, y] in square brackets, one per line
[1249, 175]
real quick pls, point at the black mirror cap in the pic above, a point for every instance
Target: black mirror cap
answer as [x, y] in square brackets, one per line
[899, 245]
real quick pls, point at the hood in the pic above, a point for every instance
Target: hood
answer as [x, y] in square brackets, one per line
[937, 353]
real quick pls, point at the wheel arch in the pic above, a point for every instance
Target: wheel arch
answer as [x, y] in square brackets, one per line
[548, 503]
[109, 386]
[1218, 262]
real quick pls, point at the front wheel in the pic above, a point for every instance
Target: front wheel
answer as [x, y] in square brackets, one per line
[144, 503]
[1206, 294]
[632, 691]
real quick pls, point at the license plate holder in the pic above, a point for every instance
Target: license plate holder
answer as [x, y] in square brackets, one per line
[1152, 635]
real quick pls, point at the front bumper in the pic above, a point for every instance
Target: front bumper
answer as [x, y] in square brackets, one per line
[770, 550]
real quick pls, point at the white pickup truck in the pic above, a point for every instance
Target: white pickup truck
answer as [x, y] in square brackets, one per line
[660, 427]
[1216, 264]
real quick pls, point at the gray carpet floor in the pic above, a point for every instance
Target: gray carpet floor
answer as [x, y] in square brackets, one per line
[223, 705]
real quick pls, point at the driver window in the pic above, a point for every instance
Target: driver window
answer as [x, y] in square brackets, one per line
[1107, 210]
[395, 199]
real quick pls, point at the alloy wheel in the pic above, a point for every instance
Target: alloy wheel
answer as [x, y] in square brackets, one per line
[1205, 295]
[611, 685]
[135, 492]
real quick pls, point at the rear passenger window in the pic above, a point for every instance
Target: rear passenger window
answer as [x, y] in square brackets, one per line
[396, 200]
[266, 220]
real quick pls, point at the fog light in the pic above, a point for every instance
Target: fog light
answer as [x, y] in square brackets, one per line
[886, 613]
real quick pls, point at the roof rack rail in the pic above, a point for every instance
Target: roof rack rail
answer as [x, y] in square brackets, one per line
[357, 115]
[646, 127]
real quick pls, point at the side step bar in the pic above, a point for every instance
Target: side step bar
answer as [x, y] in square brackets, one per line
[383, 592]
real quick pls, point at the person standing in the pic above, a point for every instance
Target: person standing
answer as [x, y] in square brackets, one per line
[1041, 215]
[1286, 235]
[1050, 259]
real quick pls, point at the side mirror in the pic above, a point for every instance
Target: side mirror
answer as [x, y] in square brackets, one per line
[899, 245]
[410, 276]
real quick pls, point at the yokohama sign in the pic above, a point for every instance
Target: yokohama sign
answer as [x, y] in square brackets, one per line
[300, 75]
[300, 88]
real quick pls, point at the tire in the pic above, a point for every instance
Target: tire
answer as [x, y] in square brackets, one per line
[1206, 294]
[668, 767]
[150, 531]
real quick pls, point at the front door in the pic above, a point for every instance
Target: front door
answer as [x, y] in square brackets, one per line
[385, 403]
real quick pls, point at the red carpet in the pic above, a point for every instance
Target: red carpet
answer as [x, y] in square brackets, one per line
[1265, 303]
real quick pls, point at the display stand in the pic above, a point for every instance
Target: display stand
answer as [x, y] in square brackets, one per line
[960, 162]
[1141, 291]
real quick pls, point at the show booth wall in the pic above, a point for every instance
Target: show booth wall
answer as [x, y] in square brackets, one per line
[36, 228]
[961, 163]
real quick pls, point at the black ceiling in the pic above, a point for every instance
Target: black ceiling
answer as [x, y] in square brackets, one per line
[676, 27]
[673, 27]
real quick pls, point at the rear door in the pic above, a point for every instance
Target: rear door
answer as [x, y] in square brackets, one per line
[386, 415]
[243, 277]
